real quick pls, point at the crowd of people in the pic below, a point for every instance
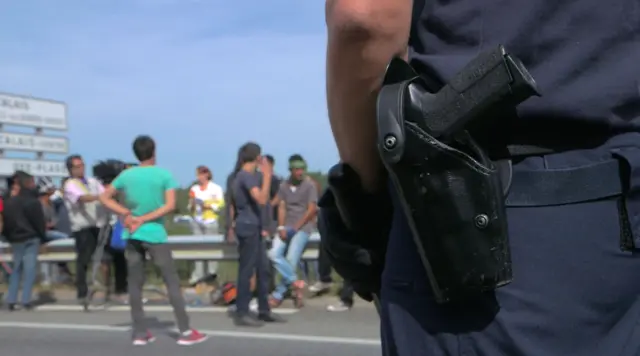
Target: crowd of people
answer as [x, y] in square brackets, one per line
[270, 218]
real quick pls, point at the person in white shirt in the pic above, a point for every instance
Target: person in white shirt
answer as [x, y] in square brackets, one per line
[206, 201]
[86, 215]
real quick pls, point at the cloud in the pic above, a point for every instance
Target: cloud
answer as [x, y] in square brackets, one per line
[201, 76]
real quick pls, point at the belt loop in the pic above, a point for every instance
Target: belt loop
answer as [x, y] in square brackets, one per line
[629, 202]
[626, 235]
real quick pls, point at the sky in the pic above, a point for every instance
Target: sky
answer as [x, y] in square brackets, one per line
[201, 77]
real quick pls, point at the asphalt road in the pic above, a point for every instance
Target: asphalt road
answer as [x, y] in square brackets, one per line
[309, 332]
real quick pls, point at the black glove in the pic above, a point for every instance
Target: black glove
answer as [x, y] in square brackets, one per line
[354, 228]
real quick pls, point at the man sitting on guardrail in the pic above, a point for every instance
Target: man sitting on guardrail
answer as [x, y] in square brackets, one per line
[149, 195]
[298, 197]
[24, 229]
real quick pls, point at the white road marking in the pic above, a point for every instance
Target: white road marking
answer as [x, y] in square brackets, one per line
[150, 308]
[215, 333]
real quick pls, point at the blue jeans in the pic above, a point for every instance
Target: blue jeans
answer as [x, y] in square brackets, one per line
[45, 269]
[287, 265]
[25, 261]
[53, 235]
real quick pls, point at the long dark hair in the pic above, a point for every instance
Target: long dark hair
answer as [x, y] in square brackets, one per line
[229, 198]
[237, 168]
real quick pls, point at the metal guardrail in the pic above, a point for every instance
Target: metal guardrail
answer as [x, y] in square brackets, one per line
[185, 248]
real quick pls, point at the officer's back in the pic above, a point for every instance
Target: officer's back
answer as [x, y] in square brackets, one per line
[584, 54]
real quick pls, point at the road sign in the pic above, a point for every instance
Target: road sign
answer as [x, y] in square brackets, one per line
[37, 168]
[32, 112]
[33, 143]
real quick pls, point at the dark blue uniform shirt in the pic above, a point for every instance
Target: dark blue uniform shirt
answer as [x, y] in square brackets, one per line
[574, 291]
[584, 56]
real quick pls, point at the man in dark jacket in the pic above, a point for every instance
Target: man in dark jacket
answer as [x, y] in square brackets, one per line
[24, 229]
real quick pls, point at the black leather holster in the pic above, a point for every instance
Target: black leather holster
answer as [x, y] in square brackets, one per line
[452, 192]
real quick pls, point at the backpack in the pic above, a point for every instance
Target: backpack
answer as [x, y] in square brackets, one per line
[117, 242]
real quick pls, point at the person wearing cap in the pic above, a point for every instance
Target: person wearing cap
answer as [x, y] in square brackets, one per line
[206, 201]
[297, 208]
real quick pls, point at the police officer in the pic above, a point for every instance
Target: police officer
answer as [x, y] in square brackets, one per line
[575, 288]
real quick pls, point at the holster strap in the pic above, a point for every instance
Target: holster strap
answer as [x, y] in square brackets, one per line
[565, 186]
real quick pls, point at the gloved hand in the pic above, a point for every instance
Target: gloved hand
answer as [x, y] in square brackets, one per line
[354, 228]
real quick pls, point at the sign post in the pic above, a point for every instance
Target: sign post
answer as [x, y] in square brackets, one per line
[39, 114]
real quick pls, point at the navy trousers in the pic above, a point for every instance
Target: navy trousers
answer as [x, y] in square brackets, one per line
[575, 291]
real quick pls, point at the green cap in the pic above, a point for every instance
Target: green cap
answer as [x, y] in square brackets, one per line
[297, 164]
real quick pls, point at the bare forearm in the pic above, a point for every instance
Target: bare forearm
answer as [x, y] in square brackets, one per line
[265, 189]
[87, 198]
[281, 214]
[358, 52]
[232, 213]
[158, 213]
[114, 206]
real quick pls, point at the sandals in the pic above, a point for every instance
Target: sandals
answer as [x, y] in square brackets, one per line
[298, 293]
[274, 303]
[297, 289]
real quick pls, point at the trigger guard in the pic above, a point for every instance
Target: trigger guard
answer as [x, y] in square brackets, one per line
[505, 172]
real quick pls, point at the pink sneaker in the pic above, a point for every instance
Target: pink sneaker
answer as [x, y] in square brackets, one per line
[141, 341]
[191, 337]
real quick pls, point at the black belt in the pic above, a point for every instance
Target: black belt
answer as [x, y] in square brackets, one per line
[599, 180]
[565, 186]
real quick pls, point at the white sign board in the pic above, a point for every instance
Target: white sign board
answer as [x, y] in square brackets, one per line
[32, 112]
[37, 168]
[33, 143]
